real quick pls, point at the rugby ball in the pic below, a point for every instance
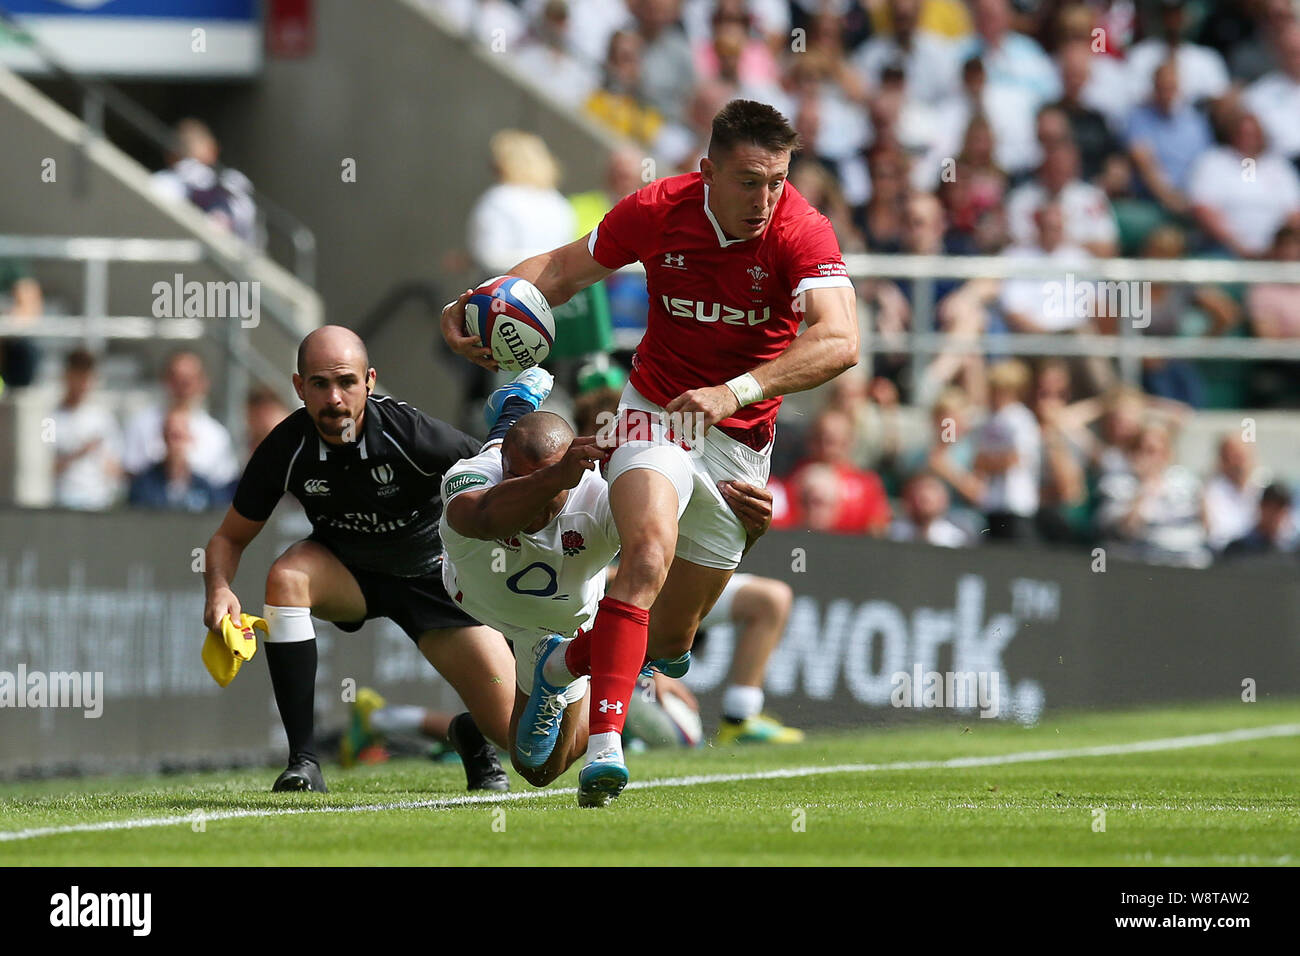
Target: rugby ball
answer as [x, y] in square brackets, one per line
[513, 319]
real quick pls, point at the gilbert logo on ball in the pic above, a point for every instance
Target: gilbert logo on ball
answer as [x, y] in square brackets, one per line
[513, 319]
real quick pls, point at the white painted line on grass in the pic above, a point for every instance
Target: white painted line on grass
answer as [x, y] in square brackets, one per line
[994, 760]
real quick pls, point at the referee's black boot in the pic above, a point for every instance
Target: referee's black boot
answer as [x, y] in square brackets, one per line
[303, 773]
[482, 768]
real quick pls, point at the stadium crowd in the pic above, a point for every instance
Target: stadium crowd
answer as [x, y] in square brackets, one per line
[1058, 130]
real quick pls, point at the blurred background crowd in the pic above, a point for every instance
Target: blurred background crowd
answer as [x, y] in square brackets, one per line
[1157, 129]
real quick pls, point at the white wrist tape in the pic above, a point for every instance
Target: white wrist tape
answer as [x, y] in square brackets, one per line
[746, 389]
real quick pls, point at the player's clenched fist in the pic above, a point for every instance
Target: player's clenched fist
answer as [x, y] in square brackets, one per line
[221, 602]
[458, 339]
[702, 408]
[581, 455]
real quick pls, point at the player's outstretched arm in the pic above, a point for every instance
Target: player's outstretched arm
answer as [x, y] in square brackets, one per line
[559, 275]
[221, 561]
[513, 504]
[826, 348]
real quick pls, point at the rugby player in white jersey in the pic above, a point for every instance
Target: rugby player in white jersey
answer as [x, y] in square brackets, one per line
[528, 534]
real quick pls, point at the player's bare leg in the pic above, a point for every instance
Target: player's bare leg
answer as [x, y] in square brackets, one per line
[689, 592]
[574, 727]
[477, 662]
[306, 579]
[759, 610]
[644, 504]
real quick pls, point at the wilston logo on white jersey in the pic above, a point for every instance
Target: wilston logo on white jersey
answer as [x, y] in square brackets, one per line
[715, 312]
[77, 909]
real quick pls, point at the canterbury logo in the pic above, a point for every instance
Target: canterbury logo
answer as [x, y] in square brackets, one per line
[715, 312]
[382, 474]
[316, 486]
[616, 707]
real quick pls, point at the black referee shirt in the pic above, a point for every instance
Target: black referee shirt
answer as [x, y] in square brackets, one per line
[374, 502]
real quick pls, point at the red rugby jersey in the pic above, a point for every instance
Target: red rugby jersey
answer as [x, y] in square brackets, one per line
[719, 307]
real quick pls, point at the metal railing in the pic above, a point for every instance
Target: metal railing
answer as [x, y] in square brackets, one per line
[95, 326]
[1128, 346]
[98, 97]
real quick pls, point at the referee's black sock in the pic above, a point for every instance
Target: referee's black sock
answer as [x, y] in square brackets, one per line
[293, 678]
[514, 409]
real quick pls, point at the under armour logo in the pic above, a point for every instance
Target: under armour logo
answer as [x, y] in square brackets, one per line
[616, 707]
[675, 261]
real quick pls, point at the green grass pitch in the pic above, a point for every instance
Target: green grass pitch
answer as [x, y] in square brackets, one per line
[976, 792]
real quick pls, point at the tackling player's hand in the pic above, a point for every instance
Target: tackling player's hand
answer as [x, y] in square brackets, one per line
[221, 602]
[705, 406]
[752, 505]
[458, 338]
[582, 455]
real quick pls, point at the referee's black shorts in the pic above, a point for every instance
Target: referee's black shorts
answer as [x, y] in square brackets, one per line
[416, 605]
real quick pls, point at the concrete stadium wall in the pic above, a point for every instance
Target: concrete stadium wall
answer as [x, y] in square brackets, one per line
[118, 594]
[414, 106]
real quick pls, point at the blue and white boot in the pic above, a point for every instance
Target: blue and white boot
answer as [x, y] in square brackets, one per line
[532, 385]
[602, 779]
[539, 724]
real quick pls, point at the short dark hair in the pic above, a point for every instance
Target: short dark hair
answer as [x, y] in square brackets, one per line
[536, 437]
[1276, 494]
[79, 360]
[743, 122]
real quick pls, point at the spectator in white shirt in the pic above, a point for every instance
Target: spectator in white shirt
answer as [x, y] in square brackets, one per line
[925, 504]
[1232, 493]
[1089, 220]
[87, 441]
[1242, 193]
[226, 197]
[1275, 97]
[930, 63]
[545, 60]
[210, 452]
[1008, 453]
[1153, 512]
[1202, 74]
[1040, 305]
[524, 213]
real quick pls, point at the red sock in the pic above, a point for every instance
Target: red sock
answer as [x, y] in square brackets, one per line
[618, 643]
[577, 655]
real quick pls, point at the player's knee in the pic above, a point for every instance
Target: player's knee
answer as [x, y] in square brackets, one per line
[643, 567]
[774, 598]
[287, 585]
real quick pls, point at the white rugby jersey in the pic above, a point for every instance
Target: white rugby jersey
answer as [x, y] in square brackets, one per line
[544, 583]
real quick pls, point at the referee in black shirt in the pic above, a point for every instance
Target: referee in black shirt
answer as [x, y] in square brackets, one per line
[367, 471]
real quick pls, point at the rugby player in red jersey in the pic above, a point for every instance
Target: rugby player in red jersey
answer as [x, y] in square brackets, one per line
[735, 259]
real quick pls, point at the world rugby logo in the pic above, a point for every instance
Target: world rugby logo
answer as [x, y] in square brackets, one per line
[382, 473]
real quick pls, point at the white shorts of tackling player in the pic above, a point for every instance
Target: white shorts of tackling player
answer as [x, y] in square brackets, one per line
[527, 644]
[708, 531]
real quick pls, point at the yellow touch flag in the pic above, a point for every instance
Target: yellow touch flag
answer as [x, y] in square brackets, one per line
[225, 650]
